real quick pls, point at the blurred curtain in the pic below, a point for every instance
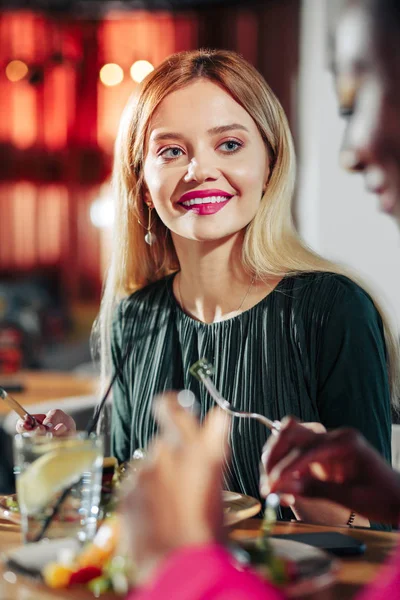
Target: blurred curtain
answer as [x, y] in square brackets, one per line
[59, 122]
[267, 34]
[51, 162]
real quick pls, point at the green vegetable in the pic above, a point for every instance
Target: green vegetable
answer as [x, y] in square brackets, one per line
[277, 570]
[99, 586]
[269, 520]
[118, 570]
[201, 368]
[261, 551]
[12, 504]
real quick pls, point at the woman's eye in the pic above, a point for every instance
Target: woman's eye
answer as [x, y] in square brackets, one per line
[173, 152]
[231, 146]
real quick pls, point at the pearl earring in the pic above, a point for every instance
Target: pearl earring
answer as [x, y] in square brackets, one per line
[150, 238]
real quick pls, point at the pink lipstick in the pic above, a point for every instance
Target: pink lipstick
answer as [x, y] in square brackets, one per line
[205, 202]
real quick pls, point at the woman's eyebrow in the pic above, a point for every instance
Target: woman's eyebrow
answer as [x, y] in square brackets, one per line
[224, 128]
[167, 135]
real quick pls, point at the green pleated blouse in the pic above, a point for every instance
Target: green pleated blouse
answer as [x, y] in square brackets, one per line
[313, 348]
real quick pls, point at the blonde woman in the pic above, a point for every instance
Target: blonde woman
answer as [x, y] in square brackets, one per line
[207, 263]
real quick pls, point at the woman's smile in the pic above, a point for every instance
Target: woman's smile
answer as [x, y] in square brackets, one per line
[205, 157]
[205, 202]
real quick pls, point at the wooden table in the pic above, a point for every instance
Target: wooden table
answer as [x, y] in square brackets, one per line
[48, 385]
[353, 573]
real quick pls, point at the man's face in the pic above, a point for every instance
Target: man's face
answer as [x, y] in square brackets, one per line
[368, 89]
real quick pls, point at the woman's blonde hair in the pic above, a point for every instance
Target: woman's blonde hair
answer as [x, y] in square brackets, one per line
[271, 245]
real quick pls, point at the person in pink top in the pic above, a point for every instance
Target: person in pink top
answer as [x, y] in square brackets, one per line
[173, 514]
[173, 509]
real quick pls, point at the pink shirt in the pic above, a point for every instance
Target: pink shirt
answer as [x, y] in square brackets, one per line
[386, 586]
[205, 573]
[210, 573]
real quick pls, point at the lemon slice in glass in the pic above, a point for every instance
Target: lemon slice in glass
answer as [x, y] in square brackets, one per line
[51, 473]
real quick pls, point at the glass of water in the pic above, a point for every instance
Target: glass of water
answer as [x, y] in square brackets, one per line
[45, 467]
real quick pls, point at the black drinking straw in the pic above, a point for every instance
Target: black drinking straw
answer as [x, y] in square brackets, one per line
[90, 427]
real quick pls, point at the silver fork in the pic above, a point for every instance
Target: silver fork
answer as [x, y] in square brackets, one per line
[203, 370]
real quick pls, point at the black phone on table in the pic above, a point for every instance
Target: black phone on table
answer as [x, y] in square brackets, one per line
[337, 543]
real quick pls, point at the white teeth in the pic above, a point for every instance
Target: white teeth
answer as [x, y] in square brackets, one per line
[207, 200]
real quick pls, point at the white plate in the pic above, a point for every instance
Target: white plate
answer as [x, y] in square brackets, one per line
[30, 559]
[319, 567]
[237, 507]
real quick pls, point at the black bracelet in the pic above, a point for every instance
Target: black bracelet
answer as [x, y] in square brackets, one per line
[350, 520]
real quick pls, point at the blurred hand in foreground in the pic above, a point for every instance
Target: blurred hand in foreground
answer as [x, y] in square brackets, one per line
[56, 421]
[174, 498]
[339, 466]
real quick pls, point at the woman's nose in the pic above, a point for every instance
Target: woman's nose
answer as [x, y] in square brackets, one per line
[351, 160]
[201, 171]
[359, 145]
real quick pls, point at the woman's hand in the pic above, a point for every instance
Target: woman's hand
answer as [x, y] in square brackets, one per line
[174, 498]
[56, 421]
[339, 466]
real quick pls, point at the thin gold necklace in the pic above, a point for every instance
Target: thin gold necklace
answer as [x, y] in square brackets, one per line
[238, 308]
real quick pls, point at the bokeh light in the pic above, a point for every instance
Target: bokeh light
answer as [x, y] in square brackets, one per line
[16, 70]
[111, 74]
[102, 211]
[140, 69]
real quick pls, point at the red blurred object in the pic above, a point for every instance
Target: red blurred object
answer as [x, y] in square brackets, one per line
[88, 165]
[59, 122]
[84, 575]
[11, 353]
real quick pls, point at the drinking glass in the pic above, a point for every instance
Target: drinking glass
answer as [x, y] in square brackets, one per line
[45, 467]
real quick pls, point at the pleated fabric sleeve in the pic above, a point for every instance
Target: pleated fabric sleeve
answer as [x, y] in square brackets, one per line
[353, 388]
[121, 409]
